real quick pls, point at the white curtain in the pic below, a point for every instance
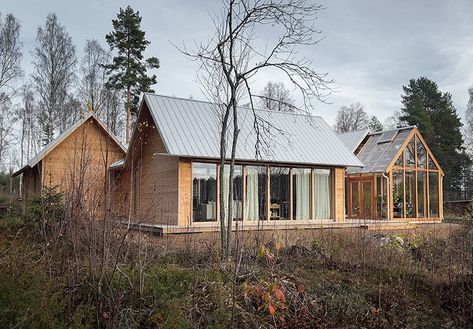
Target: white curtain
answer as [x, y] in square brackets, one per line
[251, 207]
[302, 192]
[322, 193]
[226, 189]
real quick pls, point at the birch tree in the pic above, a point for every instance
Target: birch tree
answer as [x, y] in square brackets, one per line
[233, 57]
[93, 75]
[10, 71]
[351, 118]
[54, 62]
[10, 53]
[276, 97]
[6, 128]
[93, 90]
[29, 132]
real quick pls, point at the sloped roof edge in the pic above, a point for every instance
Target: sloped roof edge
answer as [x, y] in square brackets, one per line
[61, 137]
[188, 128]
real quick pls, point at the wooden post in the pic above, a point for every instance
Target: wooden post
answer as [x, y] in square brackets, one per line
[291, 195]
[268, 194]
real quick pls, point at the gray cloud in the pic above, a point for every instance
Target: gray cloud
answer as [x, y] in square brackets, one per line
[371, 47]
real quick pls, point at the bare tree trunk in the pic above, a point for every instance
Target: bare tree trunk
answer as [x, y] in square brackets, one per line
[221, 179]
[128, 115]
[236, 132]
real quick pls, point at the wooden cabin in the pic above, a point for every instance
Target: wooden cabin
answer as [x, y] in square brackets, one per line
[76, 161]
[170, 173]
[401, 179]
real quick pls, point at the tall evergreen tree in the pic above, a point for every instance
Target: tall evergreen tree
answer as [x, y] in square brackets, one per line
[375, 125]
[432, 111]
[128, 71]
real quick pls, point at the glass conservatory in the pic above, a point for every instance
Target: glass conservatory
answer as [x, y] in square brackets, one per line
[401, 179]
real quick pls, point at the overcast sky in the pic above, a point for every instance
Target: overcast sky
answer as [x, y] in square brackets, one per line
[371, 48]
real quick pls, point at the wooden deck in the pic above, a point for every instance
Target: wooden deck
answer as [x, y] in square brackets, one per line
[371, 225]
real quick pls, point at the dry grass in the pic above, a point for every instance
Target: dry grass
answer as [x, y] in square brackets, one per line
[328, 278]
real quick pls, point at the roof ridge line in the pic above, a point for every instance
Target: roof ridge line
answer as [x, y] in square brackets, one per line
[240, 106]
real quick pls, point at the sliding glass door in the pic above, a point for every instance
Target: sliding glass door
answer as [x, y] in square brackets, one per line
[323, 193]
[262, 193]
[280, 187]
[301, 193]
[256, 190]
[204, 192]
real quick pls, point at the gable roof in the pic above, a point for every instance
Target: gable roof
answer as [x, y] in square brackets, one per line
[353, 139]
[383, 148]
[60, 138]
[190, 128]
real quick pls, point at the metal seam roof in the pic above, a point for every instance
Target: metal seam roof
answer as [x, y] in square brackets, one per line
[191, 128]
[353, 139]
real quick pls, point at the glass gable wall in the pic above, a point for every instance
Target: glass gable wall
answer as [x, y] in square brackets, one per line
[264, 193]
[415, 183]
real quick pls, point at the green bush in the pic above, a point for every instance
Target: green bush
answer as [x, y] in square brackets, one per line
[28, 297]
[46, 210]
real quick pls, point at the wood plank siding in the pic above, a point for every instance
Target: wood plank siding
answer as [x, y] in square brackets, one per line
[147, 188]
[79, 164]
[339, 197]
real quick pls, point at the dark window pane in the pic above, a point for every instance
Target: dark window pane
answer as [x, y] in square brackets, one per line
[432, 165]
[366, 196]
[381, 204]
[410, 194]
[204, 192]
[279, 193]
[237, 183]
[433, 195]
[355, 197]
[409, 154]
[421, 154]
[398, 194]
[400, 161]
[421, 194]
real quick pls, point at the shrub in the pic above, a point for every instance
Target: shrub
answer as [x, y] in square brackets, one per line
[45, 212]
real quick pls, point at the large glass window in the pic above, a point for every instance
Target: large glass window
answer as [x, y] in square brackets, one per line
[421, 194]
[280, 187]
[400, 161]
[204, 192]
[410, 194]
[237, 183]
[256, 188]
[301, 193]
[433, 194]
[380, 197]
[413, 192]
[322, 193]
[421, 154]
[398, 194]
[355, 199]
[409, 154]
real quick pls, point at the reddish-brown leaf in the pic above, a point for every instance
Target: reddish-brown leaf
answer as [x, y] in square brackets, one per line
[279, 295]
[265, 297]
[271, 309]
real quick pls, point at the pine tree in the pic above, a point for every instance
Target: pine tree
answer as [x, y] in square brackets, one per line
[432, 111]
[375, 125]
[128, 71]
